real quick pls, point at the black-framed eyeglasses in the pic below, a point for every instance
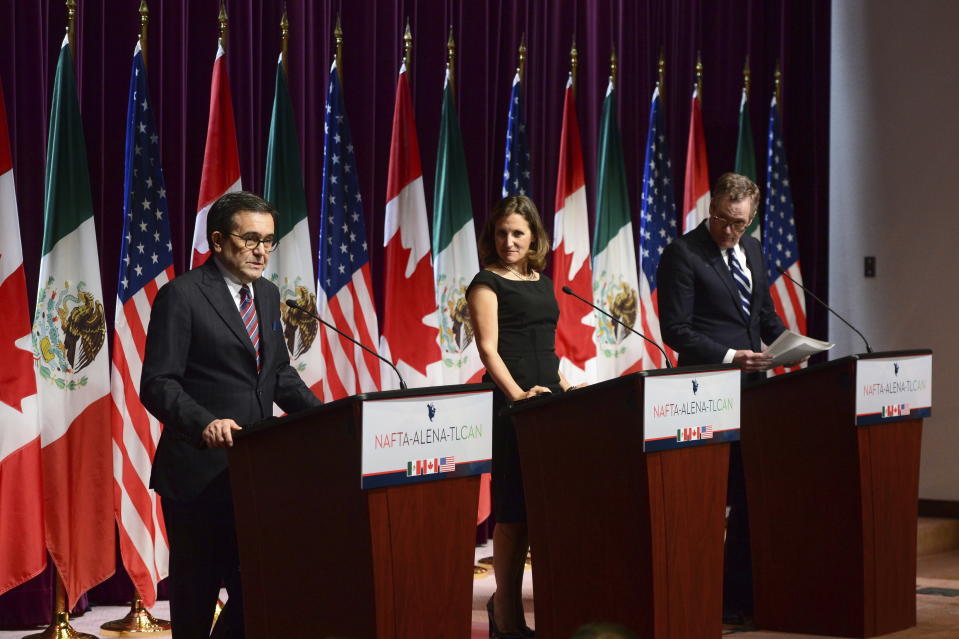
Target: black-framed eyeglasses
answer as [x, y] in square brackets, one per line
[738, 226]
[269, 242]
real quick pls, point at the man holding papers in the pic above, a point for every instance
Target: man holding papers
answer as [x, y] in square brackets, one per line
[715, 307]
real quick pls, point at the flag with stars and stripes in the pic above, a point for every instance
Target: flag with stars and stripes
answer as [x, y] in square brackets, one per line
[657, 226]
[344, 287]
[516, 164]
[146, 264]
[780, 243]
[291, 266]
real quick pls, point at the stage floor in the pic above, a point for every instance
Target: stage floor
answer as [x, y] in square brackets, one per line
[937, 604]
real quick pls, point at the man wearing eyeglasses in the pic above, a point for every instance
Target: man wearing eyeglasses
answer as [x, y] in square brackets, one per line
[715, 307]
[215, 361]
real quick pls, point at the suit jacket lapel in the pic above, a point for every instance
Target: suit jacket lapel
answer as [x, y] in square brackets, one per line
[216, 291]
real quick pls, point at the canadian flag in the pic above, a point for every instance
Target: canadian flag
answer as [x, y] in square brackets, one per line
[410, 326]
[574, 332]
[221, 159]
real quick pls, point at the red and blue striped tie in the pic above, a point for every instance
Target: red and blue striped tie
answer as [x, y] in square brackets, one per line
[250, 321]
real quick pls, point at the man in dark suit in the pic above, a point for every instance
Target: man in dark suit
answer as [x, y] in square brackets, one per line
[215, 360]
[715, 307]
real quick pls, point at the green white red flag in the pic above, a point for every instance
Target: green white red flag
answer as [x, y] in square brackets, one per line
[73, 378]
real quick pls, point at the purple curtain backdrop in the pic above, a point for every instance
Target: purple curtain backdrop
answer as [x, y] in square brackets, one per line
[183, 39]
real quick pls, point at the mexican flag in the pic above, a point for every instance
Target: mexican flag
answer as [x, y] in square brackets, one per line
[22, 554]
[615, 283]
[69, 336]
[291, 266]
[746, 155]
[454, 245]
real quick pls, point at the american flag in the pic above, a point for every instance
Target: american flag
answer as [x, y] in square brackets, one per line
[516, 165]
[146, 264]
[657, 225]
[344, 284]
[447, 464]
[779, 235]
[706, 432]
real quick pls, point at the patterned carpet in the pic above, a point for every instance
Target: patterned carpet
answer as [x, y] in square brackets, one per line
[937, 605]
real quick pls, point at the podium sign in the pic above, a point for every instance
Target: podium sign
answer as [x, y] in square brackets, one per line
[691, 409]
[408, 440]
[893, 388]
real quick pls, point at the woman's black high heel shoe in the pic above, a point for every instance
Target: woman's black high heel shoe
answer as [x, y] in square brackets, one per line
[494, 632]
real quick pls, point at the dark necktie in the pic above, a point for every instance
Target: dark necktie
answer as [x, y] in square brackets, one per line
[742, 283]
[250, 321]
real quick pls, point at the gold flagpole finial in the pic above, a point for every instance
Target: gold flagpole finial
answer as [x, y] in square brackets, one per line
[747, 77]
[521, 65]
[144, 21]
[612, 67]
[778, 85]
[224, 22]
[407, 46]
[338, 55]
[72, 27]
[285, 39]
[699, 75]
[451, 61]
[573, 63]
[661, 71]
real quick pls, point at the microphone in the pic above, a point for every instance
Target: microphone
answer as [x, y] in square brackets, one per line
[297, 307]
[828, 308]
[569, 291]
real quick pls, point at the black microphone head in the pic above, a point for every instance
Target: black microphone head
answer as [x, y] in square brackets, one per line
[293, 304]
[568, 290]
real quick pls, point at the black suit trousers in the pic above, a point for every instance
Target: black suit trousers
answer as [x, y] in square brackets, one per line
[204, 557]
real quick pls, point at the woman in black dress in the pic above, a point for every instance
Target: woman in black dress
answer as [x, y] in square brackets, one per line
[514, 313]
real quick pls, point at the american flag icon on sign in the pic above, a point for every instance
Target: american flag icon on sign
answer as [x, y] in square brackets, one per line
[447, 464]
[706, 432]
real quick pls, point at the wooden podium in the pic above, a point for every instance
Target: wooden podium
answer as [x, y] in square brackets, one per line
[322, 557]
[832, 505]
[620, 535]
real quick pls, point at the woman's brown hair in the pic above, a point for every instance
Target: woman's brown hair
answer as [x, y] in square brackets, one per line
[520, 205]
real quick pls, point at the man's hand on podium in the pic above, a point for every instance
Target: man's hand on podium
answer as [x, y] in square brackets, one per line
[219, 433]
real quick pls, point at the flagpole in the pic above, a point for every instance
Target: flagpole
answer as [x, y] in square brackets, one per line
[612, 67]
[60, 628]
[407, 47]
[224, 24]
[144, 21]
[451, 63]
[747, 79]
[138, 620]
[777, 88]
[699, 75]
[338, 54]
[661, 72]
[285, 40]
[521, 64]
[573, 63]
